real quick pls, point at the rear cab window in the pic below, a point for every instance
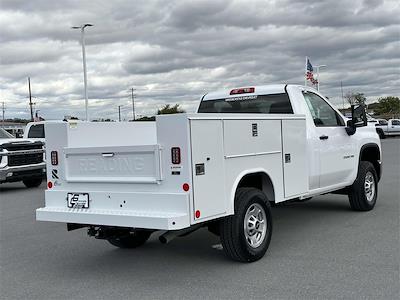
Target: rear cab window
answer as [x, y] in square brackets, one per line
[36, 131]
[261, 104]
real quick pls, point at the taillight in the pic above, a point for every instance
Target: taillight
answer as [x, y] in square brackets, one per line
[54, 158]
[242, 91]
[176, 155]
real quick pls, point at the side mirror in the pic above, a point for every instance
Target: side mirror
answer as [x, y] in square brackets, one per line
[350, 128]
[358, 119]
[359, 115]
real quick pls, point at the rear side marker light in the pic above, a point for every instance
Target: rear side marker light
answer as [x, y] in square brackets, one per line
[49, 184]
[54, 158]
[185, 187]
[242, 91]
[197, 214]
[176, 155]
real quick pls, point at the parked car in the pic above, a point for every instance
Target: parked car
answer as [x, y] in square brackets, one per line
[220, 168]
[21, 160]
[388, 128]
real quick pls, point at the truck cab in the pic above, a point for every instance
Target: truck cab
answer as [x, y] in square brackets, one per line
[35, 131]
[221, 168]
[332, 154]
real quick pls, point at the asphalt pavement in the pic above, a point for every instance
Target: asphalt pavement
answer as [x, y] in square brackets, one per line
[319, 249]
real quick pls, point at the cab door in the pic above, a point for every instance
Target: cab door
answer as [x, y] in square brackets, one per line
[337, 157]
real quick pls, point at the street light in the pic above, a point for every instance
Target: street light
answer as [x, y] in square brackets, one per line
[317, 67]
[82, 28]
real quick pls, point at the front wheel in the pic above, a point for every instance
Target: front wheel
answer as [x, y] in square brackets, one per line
[364, 191]
[132, 240]
[32, 182]
[245, 236]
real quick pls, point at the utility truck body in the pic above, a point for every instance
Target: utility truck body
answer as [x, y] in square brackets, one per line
[220, 168]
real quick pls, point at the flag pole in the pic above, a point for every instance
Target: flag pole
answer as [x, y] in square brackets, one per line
[305, 72]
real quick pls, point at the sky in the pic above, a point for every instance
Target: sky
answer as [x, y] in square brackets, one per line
[177, 51]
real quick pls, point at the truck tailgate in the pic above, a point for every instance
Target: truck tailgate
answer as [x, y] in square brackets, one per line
[136, 164]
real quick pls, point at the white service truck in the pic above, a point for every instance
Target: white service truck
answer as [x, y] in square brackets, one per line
[220, 168]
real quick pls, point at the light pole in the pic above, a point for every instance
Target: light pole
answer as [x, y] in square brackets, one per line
[133, 104]
[82, 28]
[317, 67]
[119, 112]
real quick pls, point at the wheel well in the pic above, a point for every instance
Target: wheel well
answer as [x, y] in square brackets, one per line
[260, 181]
[371, 153]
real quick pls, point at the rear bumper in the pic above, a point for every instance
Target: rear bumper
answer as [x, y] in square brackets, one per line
[18, 173]
[136, 210]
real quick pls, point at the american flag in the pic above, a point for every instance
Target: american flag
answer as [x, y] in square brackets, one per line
[309, 73]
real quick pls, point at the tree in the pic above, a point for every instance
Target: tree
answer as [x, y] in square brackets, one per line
[388, 106]
[168, 109]
[355, 98]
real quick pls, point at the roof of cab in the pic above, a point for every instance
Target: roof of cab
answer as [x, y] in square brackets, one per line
[258, 90]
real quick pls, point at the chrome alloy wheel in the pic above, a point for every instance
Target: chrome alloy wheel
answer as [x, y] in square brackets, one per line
[255, 225]
[369, 187]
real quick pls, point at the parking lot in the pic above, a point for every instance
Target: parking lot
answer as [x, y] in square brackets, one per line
[319, 249]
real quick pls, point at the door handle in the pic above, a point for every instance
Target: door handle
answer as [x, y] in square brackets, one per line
[109, 154]
[323, 137]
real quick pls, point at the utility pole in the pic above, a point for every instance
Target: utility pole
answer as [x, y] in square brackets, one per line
[119, 113]
[30, 98]
[133, 104]
[4, 109]
[341, 88]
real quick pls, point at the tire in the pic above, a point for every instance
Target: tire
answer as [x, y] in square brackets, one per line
[133, 240]
[381, 134]
[33, 182]
[240, 243]
[364, 191]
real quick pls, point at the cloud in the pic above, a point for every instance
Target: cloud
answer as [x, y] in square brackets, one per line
[174, 52]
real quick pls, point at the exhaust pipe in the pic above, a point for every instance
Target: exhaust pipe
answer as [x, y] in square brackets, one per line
[168, 236]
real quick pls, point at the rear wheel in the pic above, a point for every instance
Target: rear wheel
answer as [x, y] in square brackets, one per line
[32, 182]
[246, 235]
[132, 240]
[364, 191]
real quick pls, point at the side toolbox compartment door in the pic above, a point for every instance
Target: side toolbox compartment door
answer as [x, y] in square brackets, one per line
[208, 168]
[295, 166]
